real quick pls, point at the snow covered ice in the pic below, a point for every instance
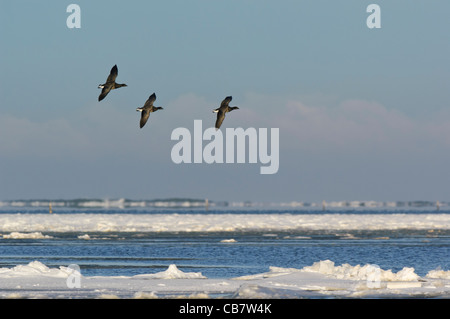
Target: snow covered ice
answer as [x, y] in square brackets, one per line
[322, 279]
[215, 222]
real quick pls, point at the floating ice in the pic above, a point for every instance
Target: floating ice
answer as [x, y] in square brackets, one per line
[35, 269]
[172, 273]
[322, 279]
[366, 272]
[231, 240]
[218, 222]
[18, 235]
[438, 273]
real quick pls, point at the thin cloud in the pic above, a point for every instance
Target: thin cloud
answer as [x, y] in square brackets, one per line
[354, 125]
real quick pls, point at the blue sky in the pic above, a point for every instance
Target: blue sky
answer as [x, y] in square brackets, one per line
[363, 113]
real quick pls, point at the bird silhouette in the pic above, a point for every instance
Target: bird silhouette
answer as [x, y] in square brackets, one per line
[147, 109]
[110, 83]
[222, 110]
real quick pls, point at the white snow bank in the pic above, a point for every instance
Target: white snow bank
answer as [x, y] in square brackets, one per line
[321, 280]
[172, 273]
[18, 235]
[35, 269]
[438, 273]
[366, 272]
[217, 222]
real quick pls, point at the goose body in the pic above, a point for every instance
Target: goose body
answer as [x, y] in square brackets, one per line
[110, 83]
[147, 109]
[222, 110]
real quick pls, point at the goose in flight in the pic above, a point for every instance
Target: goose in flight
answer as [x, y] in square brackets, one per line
[110, 83]
[224, 108]
[147, 109]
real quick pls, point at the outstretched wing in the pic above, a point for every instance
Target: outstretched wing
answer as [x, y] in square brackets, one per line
[113, 74]
[226, 101]
[220, 118]
[144, 117]
[104, 93]
[150, 100]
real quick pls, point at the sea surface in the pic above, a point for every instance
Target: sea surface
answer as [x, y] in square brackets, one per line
[225, 254]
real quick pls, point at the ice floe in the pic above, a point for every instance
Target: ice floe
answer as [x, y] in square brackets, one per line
[323, 279]
[86, 222]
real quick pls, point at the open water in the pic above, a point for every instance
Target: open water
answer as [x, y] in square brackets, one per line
[226, 254]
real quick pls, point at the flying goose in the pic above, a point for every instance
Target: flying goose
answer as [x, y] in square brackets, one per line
[224, 108]
[110, 83]
[147, 109]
